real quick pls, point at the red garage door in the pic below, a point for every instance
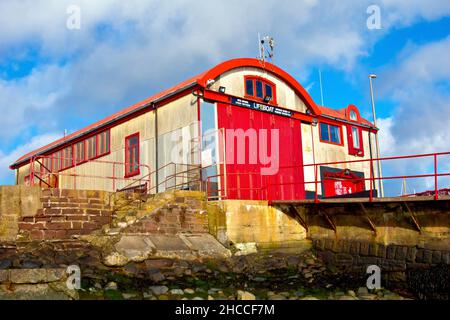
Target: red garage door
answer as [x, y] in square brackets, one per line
[263, 154]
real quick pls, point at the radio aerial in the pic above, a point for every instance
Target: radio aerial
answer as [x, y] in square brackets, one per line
[265, 53]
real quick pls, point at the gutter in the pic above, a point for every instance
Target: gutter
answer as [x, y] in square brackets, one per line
[146, 105]
[348, 122]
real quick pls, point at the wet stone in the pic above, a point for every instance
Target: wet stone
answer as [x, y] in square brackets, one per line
[5, 264]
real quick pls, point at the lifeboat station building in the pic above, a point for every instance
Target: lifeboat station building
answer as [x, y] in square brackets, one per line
[244, 129]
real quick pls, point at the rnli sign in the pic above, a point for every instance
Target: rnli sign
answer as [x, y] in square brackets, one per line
[260, 107]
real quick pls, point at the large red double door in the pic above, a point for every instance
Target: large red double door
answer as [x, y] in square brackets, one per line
[268, 166]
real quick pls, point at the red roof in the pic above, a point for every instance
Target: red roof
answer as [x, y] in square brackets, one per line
[343, 115]
[200, 81]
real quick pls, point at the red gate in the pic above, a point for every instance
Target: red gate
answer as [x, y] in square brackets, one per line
[261, 149]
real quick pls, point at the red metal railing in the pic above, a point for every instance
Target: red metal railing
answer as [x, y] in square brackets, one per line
[268, 187]
[44, 173]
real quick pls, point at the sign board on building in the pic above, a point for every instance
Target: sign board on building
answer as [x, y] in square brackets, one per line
[261, 107]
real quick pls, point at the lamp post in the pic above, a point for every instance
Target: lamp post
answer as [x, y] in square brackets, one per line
[380, 174]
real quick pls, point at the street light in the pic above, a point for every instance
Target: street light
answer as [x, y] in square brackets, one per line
[380, 174]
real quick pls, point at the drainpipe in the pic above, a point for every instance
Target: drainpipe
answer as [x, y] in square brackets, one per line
[156, 151]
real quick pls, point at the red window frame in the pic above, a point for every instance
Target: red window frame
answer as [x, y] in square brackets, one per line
[341, 135]
[128, 161]
[84, 159]
[352, 150]
[264, 83]
[107, 142]
[58, 159]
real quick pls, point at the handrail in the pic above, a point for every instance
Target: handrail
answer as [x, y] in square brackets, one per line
[268, 184]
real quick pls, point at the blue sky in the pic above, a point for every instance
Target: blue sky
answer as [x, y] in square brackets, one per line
[54, 78]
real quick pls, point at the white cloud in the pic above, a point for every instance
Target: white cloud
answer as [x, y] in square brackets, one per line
[127, 50]
[418, 86]
[7, 175]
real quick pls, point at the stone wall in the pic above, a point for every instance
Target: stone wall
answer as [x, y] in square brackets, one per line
[32, 213]
[239, 221]
[184, 212]
[16, 202]
[35, 284]
[396, 237]
[394, 259]
[66, 213]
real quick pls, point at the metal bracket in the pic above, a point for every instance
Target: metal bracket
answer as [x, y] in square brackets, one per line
[294, 211]
[366, 215]
[329, 220]
[413, 218]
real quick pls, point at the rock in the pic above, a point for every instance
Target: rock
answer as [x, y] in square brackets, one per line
[310, 261]
[128, 296]
[163, 297]
[351, 293]
[156, 276]
[5, 264]
[245, 295]
[31, 264]
[115, 259]
[308, 275]
[259, 279]
[299, 293]
[245, 248]
[367, 296]
[347, 298]
[213, 291]
[210, 297]
[309, 298]
[362, 290]
[277, 297]
[28, 275]
[147, 295]
[135, 248]
[122, 225]
[177, 292]
[189, 291]
[111, 286]
[197, 298]
[188, 272]
[159, 289]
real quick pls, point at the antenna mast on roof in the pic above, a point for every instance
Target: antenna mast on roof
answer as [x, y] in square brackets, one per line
[321, 90]
[262, 49]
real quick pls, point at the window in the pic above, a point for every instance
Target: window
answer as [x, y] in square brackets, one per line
[355, 143]
[88, 149]
[259, 89]
[249, 87]
[353, 115]
[355, 137]
[91, 147]
[80, 155]
[103, 143]
[67, 157]
[256, 87]
[132, 155]
[57, 161]
[330, 133]
[47, 162]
